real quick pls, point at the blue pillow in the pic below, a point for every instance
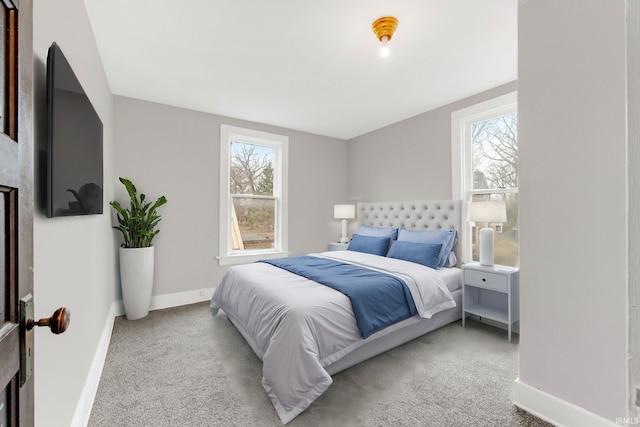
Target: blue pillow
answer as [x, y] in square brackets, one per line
[369, 244]
[446, 238]
[367, 230]
[420, 253]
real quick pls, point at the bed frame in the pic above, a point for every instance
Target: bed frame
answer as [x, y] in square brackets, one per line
[413, 215]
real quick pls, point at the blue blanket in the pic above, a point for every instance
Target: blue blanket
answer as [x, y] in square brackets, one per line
[378, 299]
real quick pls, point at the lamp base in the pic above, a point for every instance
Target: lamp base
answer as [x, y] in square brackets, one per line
[344, 238]
[486, 247]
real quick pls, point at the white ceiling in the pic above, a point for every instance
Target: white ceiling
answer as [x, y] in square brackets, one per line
[308, 65]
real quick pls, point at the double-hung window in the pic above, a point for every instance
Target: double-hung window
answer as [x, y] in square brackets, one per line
[485, 168]
[253, 195]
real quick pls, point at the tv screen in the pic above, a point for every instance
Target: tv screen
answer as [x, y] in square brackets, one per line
[74, 152]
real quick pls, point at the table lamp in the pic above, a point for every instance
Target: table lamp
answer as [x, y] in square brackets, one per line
[487, 212]
[344, 212]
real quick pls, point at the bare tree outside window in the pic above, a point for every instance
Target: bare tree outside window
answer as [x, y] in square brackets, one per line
[494, 161]
[251, 169]
[495, 151]
[251, 188]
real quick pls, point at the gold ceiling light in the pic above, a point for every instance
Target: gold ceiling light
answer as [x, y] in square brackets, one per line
[384, 28]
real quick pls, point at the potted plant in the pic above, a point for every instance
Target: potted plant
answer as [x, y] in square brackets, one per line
[138, 227]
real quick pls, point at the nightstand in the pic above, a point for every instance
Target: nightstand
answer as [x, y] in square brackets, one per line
[491, 293]
[337, 246]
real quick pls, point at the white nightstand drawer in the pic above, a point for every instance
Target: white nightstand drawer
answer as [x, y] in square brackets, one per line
[487, 280]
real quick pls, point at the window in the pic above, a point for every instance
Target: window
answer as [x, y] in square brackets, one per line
[253, 195]
[485, 167]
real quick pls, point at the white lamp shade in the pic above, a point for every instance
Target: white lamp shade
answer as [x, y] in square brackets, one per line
[488, 212]
[344, 211]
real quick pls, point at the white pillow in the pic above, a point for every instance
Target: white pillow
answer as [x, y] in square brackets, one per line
[452, 261]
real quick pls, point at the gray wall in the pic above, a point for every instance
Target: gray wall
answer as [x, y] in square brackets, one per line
[573, 203]
[176, 153]
[633, 123]
[411, 159]
[74, 257]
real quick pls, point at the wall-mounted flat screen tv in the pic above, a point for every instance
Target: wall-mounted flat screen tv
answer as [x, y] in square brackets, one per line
[74, 149]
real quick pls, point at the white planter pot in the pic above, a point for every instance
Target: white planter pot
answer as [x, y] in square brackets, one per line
[136, 280]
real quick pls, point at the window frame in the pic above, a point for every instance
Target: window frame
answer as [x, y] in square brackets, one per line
[461, 158]
[280, 145]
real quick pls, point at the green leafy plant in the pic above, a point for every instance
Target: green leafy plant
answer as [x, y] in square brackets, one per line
[138, 222]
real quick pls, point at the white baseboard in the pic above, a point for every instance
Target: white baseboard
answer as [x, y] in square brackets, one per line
[83, 410]
[555, 410]
[159, 302]
[182, 298]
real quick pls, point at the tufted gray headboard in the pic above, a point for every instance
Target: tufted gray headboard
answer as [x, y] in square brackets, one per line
[415, 215]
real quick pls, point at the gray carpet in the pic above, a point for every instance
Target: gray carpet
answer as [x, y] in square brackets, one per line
[181, 366]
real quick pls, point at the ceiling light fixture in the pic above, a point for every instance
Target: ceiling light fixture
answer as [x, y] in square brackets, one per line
[384, 28]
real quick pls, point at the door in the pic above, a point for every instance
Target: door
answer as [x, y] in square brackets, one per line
[16, 204]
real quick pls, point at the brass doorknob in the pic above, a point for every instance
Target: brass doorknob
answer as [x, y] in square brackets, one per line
[58, 322]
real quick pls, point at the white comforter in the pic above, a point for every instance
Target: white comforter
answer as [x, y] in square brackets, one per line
[297, 326]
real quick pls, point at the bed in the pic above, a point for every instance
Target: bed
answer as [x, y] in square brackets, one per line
[304, 331]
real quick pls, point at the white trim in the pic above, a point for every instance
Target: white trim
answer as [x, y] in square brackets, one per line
[461, 121]
[248, 258]
[90, 388]
[553, 409]
[181, 298]
[280, 143]
[177, 299]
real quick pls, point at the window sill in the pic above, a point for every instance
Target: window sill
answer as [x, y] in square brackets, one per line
[247, 258]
